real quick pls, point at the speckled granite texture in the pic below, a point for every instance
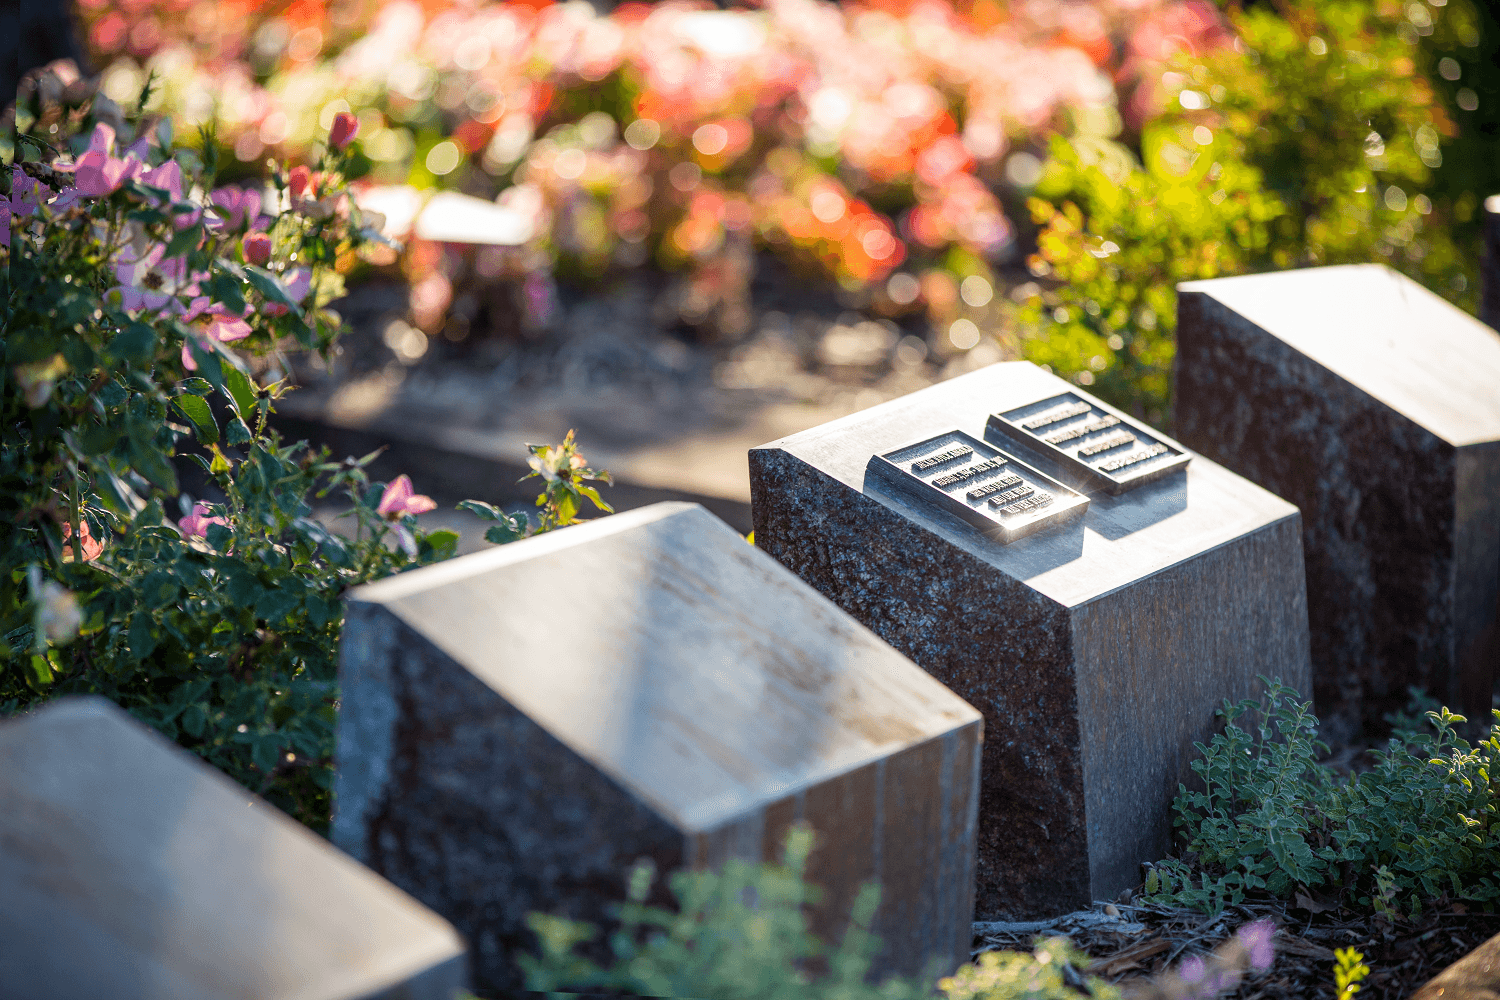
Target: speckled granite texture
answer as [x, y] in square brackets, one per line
[502, 751]
[1374, 406]
[1097, 652]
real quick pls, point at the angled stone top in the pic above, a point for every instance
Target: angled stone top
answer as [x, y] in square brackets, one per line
[687, 665]
[1119, 540]
[130, 869]
[1386, 335]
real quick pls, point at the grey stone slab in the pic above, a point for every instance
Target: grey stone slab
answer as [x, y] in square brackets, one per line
[1374, 406]
[1096, 651]
[130, 870]
[519, 726]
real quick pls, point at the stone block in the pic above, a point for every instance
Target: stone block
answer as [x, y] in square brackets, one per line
[131, 870]
[519, 726]
[1097, 650]
[1374, 406]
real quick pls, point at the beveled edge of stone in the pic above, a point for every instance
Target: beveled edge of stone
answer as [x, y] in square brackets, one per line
[1445, 384]
[726, 810]
[1042, 561]
[436, 965]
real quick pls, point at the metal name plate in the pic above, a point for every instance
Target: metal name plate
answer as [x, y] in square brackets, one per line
[1103, 450]
[990, 489]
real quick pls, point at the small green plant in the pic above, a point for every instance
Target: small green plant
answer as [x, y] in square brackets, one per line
[738, 932]
[1423, 823]
[1349, 968]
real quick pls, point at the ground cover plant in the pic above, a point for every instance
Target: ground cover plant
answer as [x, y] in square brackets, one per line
[136, 289]
[1419, 828]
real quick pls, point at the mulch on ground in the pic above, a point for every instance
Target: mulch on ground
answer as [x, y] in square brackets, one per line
[1129, 943]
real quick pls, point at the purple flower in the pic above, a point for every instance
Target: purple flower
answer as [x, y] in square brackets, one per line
[1258, 939]
[238, 207]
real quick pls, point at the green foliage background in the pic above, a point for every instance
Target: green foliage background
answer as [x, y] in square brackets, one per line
[1320, 139]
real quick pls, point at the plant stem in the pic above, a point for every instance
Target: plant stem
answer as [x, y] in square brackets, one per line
[73, 519]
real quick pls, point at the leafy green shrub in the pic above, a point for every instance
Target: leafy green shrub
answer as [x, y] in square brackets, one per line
[220, 629]
[1312, 141]
[742, 932]
[1423, 823]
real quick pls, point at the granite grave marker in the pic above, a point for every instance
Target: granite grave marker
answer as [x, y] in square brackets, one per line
[131, 870]
[519, 726]
[1097, 648]
[1374, 406]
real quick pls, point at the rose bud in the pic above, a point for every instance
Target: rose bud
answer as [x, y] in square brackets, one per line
[299, 180]
[257, 248]
[345, 128]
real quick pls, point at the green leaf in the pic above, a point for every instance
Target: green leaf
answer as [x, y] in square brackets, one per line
[242, 586]
[194, 719]
[195, 385]
[185, 241]
[236, 432]
[241, 390]
[268, 286]
[152, 464]
[41, 671]
[593, 495]
[319, 611]
[218, 537]
[440, 544]
[274, 606]
[511, 528]
[488, 512]
[267, 752]
[98, 439]
[137, 342]
[200, 416]
[142, 636]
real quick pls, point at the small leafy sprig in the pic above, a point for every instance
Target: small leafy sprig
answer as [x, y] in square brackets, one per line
[566, 475]
[1348, 970]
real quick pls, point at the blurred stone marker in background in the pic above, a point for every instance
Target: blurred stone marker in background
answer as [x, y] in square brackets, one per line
[1097, 650]
[129, 870]
[1374, 406]
[519, 726]
[1489, 263]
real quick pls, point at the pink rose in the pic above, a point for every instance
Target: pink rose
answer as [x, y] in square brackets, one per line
[345, 128]
[299, 181]
[195, 525]
[400, 499]
[257, 248]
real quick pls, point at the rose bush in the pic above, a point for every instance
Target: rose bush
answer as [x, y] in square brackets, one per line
[136, 290]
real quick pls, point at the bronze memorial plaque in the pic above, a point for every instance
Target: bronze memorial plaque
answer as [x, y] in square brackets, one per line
[1104, 450]
[992, 490]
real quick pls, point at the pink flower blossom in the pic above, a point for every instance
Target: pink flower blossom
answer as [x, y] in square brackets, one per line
[27, 194]
[345, 128]
[92, 547]
[196, 524]
[296, 283]
[400, 499]
[239, 208]
[257, 248]
[215, 323]
[152, 281]
[5, 224]
[98, 172]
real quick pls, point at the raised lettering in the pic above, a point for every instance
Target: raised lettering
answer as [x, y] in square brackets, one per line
[1105, 444]
[1053, 416]
[1082, 430]
[1011, 496]
[969, 472]
[1041, 499]
[995, 486]
[1116, 464]
[932, 461]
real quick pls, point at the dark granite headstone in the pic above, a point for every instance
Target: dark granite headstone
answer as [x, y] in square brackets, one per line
[131, 870]
[1097, 649]
[1374, 406]
[519, 726]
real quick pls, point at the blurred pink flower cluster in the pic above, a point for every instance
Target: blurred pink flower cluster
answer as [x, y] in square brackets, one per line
[856, 137]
